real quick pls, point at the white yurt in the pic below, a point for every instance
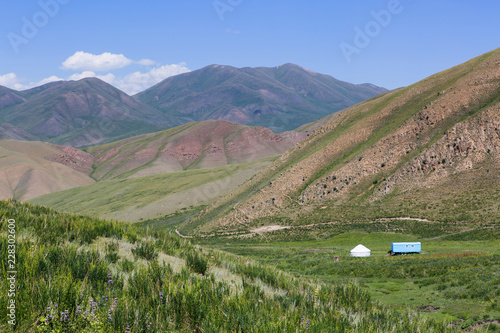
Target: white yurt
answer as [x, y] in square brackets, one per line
[360, 251]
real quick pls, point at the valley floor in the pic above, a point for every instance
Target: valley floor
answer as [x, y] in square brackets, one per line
[456, 278]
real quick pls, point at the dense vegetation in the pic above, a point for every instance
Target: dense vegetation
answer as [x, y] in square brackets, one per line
[78, 274]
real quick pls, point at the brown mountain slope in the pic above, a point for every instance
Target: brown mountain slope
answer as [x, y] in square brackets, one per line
[9, 97]
[27, 169]
[427, 150]
[207, 144]
[9, 132]
[156, 174]
[31, 169]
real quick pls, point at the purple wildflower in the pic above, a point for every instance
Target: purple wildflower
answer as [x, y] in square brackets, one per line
[65, 315]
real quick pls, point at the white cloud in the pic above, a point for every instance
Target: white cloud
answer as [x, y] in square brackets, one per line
[82, 75]
[138, 81]
[95, 62]
[131, 83]
[147, 62]
[109, 78]
[11, 80]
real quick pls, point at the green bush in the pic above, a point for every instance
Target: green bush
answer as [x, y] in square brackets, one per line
[126, 265]
[112, 257]
[196, 262]
[145, 250]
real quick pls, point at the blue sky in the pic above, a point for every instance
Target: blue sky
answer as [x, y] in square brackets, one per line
[134, 44]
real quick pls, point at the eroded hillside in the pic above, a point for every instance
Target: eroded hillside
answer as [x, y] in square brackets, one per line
[392, 151]
[207, 144]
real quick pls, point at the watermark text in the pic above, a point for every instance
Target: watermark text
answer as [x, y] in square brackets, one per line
[363, 37]
[223, 6]
[31, 25]
[11, 272]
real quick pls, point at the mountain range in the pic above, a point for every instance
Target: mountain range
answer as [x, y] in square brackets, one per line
[430, 150]
[76, 113]
[90, 112]
[281, 98]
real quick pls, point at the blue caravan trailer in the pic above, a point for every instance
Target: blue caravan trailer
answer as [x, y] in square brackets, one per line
[405, 248]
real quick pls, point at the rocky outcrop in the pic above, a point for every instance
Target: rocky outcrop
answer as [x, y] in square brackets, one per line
[74, 158]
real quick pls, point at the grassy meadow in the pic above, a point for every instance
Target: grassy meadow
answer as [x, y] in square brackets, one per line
[131, 199]
[455, 279]
[82, 274]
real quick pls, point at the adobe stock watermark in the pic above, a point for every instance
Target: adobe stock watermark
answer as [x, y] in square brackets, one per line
[11, 272]
[223, 6]
[373, 28]
[31, 26]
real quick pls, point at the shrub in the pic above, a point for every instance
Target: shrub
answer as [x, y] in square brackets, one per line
[145, 250]
[112, 257]
[127, 265]
[112, 252]
[196, 262]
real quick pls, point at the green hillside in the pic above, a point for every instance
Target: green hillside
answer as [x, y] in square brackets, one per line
[454, 278]
[132, 199]
[78, 274]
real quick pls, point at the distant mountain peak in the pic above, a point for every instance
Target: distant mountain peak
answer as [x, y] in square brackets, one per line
[281, 98]
[90, 111]
[290, 65]
[9, 97]
[90, 79]
[79, 113]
